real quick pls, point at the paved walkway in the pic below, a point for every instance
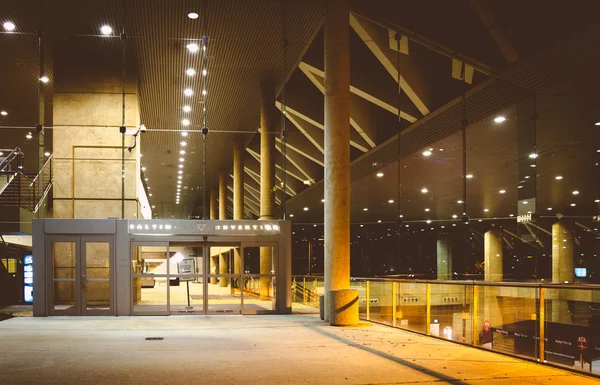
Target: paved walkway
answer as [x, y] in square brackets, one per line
[296, 349]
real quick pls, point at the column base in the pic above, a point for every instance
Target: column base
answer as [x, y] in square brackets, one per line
[343, 307]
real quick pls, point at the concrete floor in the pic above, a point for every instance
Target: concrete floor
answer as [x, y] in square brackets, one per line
[295, 349]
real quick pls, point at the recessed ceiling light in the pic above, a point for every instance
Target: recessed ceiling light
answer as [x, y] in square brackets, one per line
[549, 208]
[469, 176]
[291, 215]
[190, 72]
[46, 153]
[573, 205]
[365, 209]
[180, 166]
[180, 172]
[153, 206]
[379, 221]
[424, 190]
[499, 119]
[146, 179]
[305, 209]
[595, 124]
[193, 47]
[558, 177]
[203, 92]
[533, 155]
[183, 144]
[575, 192]
[486, 210]
[428, 221]
[391, 201]
[379, 174]
[454, 216]
[181, 159]
[179, 177]
[188, 92]
[29, 136]
[185, 122]
[179, 182]
[597, 201]
[502, 191]
[323, 200]
[187, 108]
[362, 225]
[143, 168]
[184, 133]
[511, 215]
[106, 30]
[150, 194]
[8, 26]
[426, 209]
[193, 15]
[182, 152]
[525, 202]
[3, 113]
[203, 72]
[426, 153]
[459, 201]
[44, 79]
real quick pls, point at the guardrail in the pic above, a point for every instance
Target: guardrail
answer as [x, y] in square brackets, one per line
[552, 323]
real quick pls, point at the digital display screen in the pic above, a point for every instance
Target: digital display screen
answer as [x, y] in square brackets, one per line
[28, 278]
[581, 272]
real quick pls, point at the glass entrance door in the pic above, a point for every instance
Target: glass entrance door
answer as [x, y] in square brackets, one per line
[224, 267]
[81, 275]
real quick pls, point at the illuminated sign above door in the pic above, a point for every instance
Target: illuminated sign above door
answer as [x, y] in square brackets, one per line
[200, 227]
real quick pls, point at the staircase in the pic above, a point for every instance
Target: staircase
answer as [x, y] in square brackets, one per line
[23, 190]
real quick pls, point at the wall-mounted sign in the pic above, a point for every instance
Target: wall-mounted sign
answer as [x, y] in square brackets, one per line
[187, 227]
[28, 278]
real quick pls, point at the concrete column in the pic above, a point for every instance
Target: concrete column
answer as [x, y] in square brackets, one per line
[562, 269]
[223, 268]
[492, 254]
[222, 195]
[268, 122]
[238, 179]
[562, 253]
[214, 208]
[213, 268]
[337, 148]
[444, 258]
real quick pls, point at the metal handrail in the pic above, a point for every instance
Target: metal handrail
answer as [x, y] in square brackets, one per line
[41, 170]
[14, 152]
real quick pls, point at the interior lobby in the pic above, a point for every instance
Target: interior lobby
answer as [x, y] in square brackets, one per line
[407, 188]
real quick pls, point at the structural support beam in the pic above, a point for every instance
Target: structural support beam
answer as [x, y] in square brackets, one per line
[222, 195]
[444, 258]
[563, 243]
[268, 121]
[337, 161]
[492, 253]
[238, 179]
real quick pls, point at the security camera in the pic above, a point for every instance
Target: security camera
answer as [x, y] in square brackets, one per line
[143, 128]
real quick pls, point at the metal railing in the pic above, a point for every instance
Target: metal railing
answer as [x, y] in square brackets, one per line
[557, 324]
[21, 190]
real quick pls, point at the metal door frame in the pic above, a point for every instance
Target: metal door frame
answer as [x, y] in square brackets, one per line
[165, 244]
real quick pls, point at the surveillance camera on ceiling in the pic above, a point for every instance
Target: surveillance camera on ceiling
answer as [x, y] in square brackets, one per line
[143, 128]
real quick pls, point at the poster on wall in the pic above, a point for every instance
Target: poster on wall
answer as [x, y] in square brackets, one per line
[28, 278]
[187, 269]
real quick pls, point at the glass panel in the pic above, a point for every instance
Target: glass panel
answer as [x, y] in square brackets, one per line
[381, 302]
[149, 281]
[572, 328]
[451, 312]
[223, 287]
[361, 286]
[507, 320]
[97, 275]
[186, 283]
[411, 306]
[64, 274]
[259, 294]
[305, 294]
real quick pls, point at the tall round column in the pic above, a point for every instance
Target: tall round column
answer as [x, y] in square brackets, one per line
[214, 208]
[222, 195]
[238, 179]
[268, 122]
[337, 148]
[492, 255]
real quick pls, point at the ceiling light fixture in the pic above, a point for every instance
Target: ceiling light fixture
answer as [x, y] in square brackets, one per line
[469, 176]
[575, 192]
[486, 210]
[426, 153]
[428, 221]
[204, 72]
[549, 208]
[533, 155]
[185, 122]
[573, 205]
[181, 159]
[8, 26]
[454, 216]
[365, 209]
[190, 72]
[143, 168]
[426, 209]
[305, 209]
[424, 190]
[180, 172]
[3, 113]
[46, 153]
[106, 30]
[184, 133]
[379, 174]
[558, 177]
[193, 15]
[180, 166]
[188, 92]
[182, 152]
[291, 215]
[459, 201]
[391, 201]
[183, 144]
[44, 79]
[29, 136]
[203, 92]
[187, 108]
[502, 191]
[179, 177]
[193, 47]
[595, 124]
[323, 200]
[499, 119]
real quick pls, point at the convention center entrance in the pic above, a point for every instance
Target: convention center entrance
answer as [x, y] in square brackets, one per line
[158, 267]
